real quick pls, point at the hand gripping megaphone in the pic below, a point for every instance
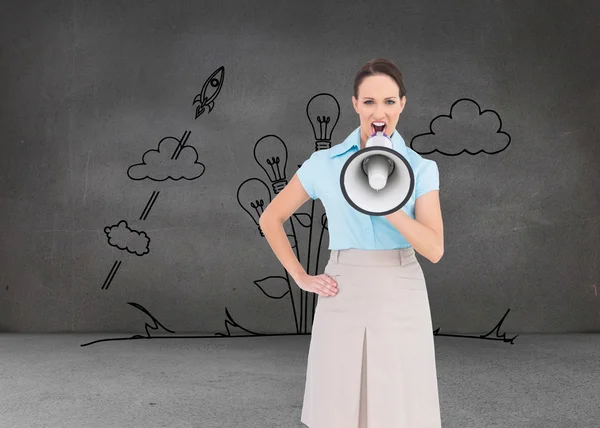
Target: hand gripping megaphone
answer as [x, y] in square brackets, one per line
[377, 180]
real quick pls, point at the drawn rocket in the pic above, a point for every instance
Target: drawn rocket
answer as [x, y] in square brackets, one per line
[207, 95]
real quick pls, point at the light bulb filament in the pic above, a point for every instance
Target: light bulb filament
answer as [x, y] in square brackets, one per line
[323, 122]
[258, 204]
[276, 173]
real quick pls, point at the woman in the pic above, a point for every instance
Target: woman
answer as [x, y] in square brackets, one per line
[371, 360]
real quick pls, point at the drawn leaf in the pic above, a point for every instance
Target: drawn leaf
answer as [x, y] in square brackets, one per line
[274, 287]
[292, 241]
[304, 219]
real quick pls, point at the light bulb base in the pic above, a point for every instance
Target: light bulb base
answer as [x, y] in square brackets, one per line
[279, 185]
[322, 145]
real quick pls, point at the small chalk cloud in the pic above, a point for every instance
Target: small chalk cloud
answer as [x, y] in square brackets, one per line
[467, 129]
[172, 160]
[123, 237]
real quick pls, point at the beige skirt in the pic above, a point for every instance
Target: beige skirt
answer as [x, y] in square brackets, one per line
[371, 361]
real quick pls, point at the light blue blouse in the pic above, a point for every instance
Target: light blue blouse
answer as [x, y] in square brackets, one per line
[349, 228]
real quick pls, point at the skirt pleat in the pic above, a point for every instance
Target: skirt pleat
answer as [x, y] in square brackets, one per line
[371, 361]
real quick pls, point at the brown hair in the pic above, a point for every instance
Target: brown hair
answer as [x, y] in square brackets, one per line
[379, 66]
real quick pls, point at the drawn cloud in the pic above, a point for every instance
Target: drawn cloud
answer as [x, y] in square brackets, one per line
[172, 160]
[124, 238]
[465, 129]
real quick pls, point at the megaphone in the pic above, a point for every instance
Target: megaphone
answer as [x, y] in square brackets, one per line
[377, 180]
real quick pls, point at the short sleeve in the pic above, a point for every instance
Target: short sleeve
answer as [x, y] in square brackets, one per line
[427, 178]
[307, 174]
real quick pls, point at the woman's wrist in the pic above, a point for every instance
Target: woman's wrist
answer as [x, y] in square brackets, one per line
[298, 274]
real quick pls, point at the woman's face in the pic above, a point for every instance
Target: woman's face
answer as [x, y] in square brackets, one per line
[378, 101]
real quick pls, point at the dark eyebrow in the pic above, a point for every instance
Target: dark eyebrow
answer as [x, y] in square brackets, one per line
[388, 98]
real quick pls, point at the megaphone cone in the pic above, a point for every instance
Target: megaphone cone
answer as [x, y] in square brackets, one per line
[377, 180]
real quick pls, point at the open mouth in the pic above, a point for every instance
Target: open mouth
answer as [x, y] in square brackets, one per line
[377, 127]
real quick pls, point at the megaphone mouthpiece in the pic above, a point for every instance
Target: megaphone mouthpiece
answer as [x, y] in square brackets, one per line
[378, 168]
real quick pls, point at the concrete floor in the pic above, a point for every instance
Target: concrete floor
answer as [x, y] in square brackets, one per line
[540, 381]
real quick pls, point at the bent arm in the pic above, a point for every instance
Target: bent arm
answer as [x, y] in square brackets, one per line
[426, 232]
[286, 203]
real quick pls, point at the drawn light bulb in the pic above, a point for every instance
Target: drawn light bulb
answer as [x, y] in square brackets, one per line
[253, 195]
[323, 112]
[271, 154]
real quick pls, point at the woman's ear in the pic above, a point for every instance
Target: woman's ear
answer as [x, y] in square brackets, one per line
[402, 103]
[355, 103]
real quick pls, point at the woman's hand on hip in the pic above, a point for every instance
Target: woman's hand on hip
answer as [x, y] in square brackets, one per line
[323, 284]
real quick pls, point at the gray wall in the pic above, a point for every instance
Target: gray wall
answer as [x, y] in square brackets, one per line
[87, 88]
